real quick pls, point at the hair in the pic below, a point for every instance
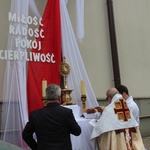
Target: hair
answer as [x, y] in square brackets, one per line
[112, 92]
[53, 91]
[122, 89]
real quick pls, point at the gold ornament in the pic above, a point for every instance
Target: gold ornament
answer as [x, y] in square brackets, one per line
[64, 69]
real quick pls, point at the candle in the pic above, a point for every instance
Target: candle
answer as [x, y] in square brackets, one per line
[82, 87]
[44, 86]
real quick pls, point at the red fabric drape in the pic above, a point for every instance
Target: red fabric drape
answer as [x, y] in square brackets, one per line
[51, 43]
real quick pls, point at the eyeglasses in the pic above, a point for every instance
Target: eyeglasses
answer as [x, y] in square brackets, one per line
[107, 98]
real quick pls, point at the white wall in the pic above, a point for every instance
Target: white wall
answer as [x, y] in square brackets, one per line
[133, 25]
[4, 8]
[95, 47]
[132, 32]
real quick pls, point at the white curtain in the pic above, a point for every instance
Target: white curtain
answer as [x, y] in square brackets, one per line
[14, 108]
[79, 19]
[71, 51]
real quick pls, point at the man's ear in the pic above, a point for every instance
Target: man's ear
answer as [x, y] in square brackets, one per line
[59, 99]
[123, 93]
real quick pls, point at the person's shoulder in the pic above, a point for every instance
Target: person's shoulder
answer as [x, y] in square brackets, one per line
[132, 100]
[65, 109]
[36, 111]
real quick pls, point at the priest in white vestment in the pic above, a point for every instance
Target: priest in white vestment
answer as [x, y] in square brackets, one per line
[117, 129]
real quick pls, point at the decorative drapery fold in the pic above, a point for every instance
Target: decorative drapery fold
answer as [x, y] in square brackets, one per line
[71, 51]
[79, 20]
[14, 108]
[34, 9]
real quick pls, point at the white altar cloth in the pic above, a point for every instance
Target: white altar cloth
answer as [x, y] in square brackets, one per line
[83, 142]
[75, 109]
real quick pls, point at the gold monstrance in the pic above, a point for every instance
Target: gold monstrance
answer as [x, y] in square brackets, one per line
[65, 92]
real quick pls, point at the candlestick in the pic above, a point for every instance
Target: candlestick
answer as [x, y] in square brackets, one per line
[83, 99]
[83, 88]
[44, 86]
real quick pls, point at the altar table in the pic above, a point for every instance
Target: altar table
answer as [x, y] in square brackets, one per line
[82, 142]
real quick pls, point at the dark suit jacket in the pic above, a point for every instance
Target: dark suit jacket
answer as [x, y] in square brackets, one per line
[52, 125]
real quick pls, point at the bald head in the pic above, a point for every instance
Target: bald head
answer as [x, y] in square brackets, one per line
[111, 93]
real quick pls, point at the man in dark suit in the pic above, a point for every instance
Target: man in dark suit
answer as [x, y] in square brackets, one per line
[52, 124]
